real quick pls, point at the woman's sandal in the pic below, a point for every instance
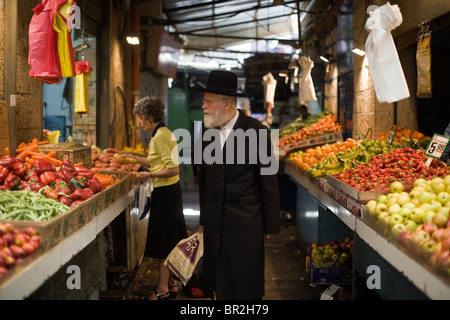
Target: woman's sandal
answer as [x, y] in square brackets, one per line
[173, 294]
[159, 296]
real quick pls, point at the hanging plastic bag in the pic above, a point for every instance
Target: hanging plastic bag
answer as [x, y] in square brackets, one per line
[387, 74]
[64, 40]
[270, 84]
[43, 46]
[81, 87]
[183, 259]
[306, 92]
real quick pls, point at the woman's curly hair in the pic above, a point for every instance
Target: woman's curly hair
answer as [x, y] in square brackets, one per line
[149, 106]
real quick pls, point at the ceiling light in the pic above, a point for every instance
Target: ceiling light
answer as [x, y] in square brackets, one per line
[133, 40]
[359, 52]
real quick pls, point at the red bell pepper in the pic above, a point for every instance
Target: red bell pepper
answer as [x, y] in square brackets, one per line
[3, 173]
[42, 165]
[8, 162]
[89, 192]
[66, 174]
[31, 176]
[50, 193]
[12, 181]
[65, 200]
[95, 185]
[79, 194]
[33, 186]
[20, 169]
[74, 203]
[48, 177]
[61, 187]
[85, 172]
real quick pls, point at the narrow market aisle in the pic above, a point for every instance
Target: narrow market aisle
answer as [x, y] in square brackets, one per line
[286, 278]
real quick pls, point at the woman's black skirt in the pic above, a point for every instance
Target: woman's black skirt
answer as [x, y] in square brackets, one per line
[166, 225]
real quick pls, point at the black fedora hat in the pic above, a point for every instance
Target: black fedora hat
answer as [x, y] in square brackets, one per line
[222, 82]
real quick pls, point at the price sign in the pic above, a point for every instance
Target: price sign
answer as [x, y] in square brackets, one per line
[392, 134]
[437, 146]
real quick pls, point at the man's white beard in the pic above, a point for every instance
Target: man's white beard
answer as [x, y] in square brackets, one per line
[212, 121]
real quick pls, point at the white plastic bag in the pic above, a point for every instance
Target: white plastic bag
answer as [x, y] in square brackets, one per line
[183, 259]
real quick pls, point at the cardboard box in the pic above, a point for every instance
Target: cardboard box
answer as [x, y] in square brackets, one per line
[4, 127]
[322, 276]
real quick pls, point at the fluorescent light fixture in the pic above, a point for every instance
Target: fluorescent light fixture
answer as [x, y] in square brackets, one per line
[133, 40]
[359, 52]
[324, 59]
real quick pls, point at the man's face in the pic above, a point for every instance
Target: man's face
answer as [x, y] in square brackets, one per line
[213, 110]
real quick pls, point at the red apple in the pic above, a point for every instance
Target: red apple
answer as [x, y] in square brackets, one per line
[8, 238]
[17, 251]
[29, 248]
[438, 235]
[443, 260]
[3, 229]
[429, 227]
[9, 226]
[2, 242]
[31, 231]
[446, 244]
[20, 239]
[36, 241]
[2, 260]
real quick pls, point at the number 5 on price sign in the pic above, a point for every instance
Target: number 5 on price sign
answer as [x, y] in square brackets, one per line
[436, 147]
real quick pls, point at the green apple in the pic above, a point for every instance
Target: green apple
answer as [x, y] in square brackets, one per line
[382, 199]
[439, 219]
[402, 199]
[398, 229]
[391, 201]
[380, 208]
[405, 212]
[438, 183]
[428, 215]
[419, 182]
[416, 202]
[443, 197]
[447, 180]
[445, 210]
[426, 206]
[409, 205]
[425, 197]
[410, 225]
[441, 187]
[415, 192]
[392, 195]
[394, 208]
[371, 205]
[448, 189]
[395, 219]
[436, 205]
[396, 187]
[427, 247]
[416, 215]
[420, 236]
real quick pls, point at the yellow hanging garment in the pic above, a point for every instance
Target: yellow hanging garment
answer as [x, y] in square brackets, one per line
[64, 41]
[81, 87]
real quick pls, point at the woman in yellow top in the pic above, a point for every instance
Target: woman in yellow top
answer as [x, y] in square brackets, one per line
[166, 222]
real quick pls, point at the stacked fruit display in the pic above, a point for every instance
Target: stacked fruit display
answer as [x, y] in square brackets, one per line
[15, 245]
[407, 138]
[418, 219]
[299, 124]
[328, 124]
[334, 254]
[351, 158]
[112, 160]
[402, 164]
[305, 159]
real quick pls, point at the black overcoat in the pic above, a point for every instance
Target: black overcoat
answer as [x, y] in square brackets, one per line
[239, 203]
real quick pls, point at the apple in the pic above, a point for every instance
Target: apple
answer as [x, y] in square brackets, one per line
[425, 197]
[17, 251]
[438, 185]
[409, 205]
[428, 215]
[31, 231]
[443, 197]
[391, 201]
[444, 210]
[380, 208]
[420, 236]
[426, 207]
[394, 208]
[8, 238]
[438, 235]
[3, 229]
[429, 227]
[382, 199]
[416, 215]
[446, 243]
[416, 202]
[405, 212]
[20, 239]
[448, 189]
[443, 260]
[398, 229]
[427, 247]
[396, 187]
[419, 182]
[447, 180]
[410, 225]
[440, 220]
[395, 219]
[403, 199]
[9, 226]
[415, 192]
[371, 205]
[392, 195]
[28, 248]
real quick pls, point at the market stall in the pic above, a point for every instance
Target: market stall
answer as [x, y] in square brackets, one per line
[339, 186]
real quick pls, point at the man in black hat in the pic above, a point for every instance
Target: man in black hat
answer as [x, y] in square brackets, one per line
[239, 200]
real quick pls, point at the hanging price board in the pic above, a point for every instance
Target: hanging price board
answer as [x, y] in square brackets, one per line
[392, 134]
[437, 146]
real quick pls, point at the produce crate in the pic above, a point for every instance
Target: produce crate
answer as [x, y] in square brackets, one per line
[360, 196]
[55, 230]
[74, 152]
[310, 142]
[115, 191]
[327, 276]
